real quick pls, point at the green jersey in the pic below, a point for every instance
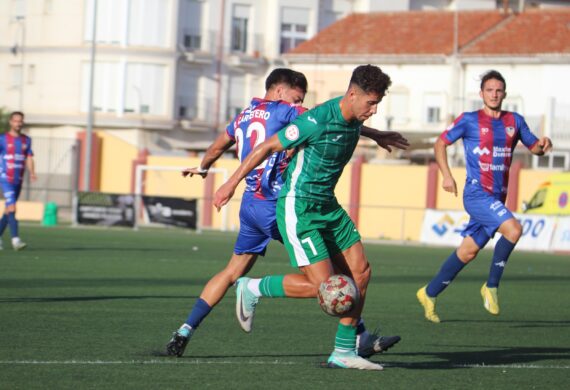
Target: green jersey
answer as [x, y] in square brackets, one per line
[325, 142]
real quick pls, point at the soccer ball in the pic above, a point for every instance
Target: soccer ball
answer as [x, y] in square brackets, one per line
[338, 295]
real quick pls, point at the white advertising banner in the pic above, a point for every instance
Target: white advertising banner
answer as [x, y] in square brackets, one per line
[445, 227]
[537, 231]
[561, 239]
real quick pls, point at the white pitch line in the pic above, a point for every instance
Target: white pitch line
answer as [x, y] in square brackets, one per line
[257, 362]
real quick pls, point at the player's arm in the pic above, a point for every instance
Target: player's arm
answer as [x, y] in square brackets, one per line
[544, 145]
[214, 151]
[31, 167]
[385, 139]
[440, 151]
[258, 154]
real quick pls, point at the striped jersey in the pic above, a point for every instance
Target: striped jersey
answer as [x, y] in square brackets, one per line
[256, 123]
[13, 152]
[325, 142]
[489, 146]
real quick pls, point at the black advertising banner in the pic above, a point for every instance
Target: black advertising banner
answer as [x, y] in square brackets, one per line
[171, 211]
[97, 208]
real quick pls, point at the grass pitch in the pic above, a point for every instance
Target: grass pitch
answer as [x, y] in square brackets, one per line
[94, 308]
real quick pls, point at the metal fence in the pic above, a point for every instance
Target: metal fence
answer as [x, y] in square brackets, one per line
[56, 161]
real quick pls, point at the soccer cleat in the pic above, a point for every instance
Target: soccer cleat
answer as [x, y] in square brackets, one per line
[490, 299]
[351, 360]
[178, 342]
[428, 304]
[368, 344]
[19, 245]
[245, 304]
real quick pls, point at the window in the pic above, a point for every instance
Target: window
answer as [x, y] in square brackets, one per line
[18, 9]
[144, 89]
[398, 112]
[237, 99]
[111, 19]
[192, 41]
[148, 22]
[129, 22]
[294, 28]
[552, 160]
[239, 28]
[106, 88]
[192, 24]
[433, 103]
[15, 76]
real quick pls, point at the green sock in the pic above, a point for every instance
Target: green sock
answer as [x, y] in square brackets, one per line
[272, 286]
[345, 340]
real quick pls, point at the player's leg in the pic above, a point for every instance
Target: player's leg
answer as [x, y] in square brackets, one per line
[474, 239]
[249, 244]
[212, 293]
[12, 192]
[511, 231]
[345, 353]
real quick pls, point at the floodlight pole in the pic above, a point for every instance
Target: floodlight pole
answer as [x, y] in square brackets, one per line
[87, 163]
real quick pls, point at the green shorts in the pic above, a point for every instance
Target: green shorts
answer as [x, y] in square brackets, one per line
[314, 231]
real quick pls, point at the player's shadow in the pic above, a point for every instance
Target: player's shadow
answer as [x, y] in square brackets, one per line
[521, 323]
[492, 357]
[93, 298]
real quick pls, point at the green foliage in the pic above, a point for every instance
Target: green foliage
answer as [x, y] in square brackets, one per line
[4, 114]
[93, 308]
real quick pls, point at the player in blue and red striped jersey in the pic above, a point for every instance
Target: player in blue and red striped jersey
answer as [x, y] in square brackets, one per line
[489, 136]
[15, 155]
[285, 91]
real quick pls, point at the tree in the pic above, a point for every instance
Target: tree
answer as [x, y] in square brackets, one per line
[4, 120]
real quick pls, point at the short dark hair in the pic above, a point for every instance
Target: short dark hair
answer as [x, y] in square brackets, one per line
[290, 77]
[14, 113]
[370, 78]
[493, 75]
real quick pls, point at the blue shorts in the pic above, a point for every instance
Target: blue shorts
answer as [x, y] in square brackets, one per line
[258, 225]
[11, 192]
[486, 211]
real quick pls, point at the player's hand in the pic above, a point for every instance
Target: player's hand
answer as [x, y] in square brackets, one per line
[545, 144]
[449, 185]
[389, 139]
[223, 195]
[194, 171]
[33, 177]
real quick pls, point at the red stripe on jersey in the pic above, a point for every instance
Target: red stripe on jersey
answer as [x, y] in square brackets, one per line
[486, 151]
[10, 151]
[443, 135]
[510, 135]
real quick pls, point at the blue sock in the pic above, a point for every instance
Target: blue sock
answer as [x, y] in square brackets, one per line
[503, 250]
[360, 328]
[447, 273]
[3, 223]
[13, 223]
[200, 310]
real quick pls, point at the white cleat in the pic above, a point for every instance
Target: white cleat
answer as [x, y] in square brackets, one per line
[245, 304]
[19, 245]
[351, 360]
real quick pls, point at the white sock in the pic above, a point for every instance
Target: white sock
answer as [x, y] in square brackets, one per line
[16, 240]
[253, 286]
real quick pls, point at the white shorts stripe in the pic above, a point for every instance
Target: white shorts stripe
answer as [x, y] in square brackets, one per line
[291, 217]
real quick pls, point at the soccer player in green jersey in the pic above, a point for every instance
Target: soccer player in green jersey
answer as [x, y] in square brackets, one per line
[317, 232]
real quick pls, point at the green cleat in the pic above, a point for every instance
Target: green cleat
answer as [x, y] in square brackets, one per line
[490, 299]
[428, 304]
[245, 304]
[351, 360]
